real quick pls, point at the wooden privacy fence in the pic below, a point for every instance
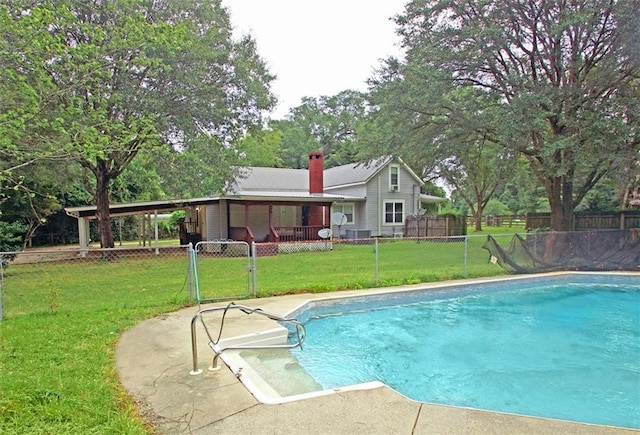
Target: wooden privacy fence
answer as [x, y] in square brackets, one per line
[435, 226]
[590, 221]
[501, 220]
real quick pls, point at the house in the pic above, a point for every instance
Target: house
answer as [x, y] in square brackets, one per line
[285, 205]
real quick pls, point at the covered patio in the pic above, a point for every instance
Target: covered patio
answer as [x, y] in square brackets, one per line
[263, 218]
[276, 221]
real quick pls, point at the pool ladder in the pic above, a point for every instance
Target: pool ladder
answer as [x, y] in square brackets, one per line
[217, 350]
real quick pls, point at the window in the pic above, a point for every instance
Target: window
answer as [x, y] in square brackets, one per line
[393, 212]
[394, 178]
[346, 209]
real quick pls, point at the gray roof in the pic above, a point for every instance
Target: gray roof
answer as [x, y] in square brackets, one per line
[354, 173]
[257, 179]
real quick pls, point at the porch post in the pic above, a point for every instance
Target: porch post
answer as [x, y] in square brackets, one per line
[246, 222]
[270, 223]
[83, 235]
[155, 230]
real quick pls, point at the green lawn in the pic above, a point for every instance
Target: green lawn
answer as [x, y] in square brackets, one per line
[62, 320]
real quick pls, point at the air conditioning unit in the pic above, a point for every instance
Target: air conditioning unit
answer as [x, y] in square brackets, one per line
[394, 187]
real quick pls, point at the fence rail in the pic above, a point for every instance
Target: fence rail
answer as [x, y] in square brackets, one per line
[435, 226]
[501, 220]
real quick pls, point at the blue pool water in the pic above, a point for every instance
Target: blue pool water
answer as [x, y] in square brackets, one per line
[565, 348]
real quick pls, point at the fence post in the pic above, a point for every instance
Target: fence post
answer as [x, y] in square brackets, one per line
[190, 261]
[466, 255]
[375, 251]
[254, 268]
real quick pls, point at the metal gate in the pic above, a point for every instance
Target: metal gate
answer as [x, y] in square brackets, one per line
[221, 261]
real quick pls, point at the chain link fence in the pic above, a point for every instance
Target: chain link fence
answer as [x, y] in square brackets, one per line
[43, 280]
[221, 269]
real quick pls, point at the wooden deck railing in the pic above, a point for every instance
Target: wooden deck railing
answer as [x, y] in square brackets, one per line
[278, 234]
[298, 233]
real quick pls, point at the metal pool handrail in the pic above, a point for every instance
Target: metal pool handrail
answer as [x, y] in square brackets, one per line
[213, 344]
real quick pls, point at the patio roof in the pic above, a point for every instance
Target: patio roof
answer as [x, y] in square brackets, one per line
[430, 199]
[132, 208]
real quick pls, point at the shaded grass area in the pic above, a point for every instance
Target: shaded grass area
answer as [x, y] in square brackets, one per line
[62, 320]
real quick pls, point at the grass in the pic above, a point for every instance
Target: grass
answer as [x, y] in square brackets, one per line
[63, 320]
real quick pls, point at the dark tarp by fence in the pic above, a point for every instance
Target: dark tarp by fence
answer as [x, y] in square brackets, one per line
[580, 251]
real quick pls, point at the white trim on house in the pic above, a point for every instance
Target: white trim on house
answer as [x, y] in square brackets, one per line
[394, 212]
[394, 169]
[350, 220]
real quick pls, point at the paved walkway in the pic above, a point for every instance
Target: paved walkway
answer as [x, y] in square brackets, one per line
[154, 361]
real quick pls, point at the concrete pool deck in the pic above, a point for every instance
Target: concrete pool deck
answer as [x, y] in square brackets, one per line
[154, 361]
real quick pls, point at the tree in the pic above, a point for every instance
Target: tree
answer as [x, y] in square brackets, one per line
[521, 191]
[326, 124]
[476, 173]
[123, 77]
[261, 148]
[559, 77]
[295, 144]
[31, 201]
[11, 240]
[26, 136]
[202, 169]
[443, 131]
[140, 182]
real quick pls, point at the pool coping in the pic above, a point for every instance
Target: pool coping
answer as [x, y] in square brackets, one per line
[154, 359]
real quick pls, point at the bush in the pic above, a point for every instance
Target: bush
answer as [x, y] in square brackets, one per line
[11, 239]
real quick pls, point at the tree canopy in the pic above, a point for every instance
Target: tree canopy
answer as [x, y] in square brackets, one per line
[99, 82]
[554, 82]
[327, 124]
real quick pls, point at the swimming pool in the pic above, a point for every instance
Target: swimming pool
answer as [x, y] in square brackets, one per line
[566, 347]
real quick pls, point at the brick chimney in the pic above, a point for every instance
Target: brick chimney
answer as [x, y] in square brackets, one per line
[316, 185]
[316, 169]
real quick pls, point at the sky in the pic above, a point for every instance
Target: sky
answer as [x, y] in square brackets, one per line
[318, 47]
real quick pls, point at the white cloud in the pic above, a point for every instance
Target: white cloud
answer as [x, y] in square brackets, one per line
[318, 47]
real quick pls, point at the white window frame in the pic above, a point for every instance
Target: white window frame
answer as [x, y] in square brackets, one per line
[384, 212]
[394, 170]
[339, 208]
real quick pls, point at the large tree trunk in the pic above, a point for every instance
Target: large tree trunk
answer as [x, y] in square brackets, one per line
[477, 217]
[560, 195]
[103, 178]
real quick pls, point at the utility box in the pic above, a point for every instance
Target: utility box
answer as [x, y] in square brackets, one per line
[358, 234]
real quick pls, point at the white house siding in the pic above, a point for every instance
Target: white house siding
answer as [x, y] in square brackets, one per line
[378, 191]
[373, 207]
[361, 217]
[359, 212]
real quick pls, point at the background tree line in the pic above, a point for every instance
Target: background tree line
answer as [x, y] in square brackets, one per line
[510, 105]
